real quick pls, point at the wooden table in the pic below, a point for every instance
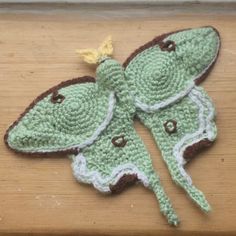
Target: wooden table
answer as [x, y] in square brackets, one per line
[39, 195]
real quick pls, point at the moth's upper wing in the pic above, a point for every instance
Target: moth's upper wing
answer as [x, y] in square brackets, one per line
[166, 68]
[68, 116]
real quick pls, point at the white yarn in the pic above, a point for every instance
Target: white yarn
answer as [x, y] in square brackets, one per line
[152, 108]
[157, 106]
[101, 127]
[104, 124]
[208, 127]
[82, 174]
[204, 124]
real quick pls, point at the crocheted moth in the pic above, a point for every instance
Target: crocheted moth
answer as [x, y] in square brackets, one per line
[92, 120]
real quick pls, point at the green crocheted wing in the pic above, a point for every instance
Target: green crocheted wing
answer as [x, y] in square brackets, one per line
[119, 158]
[166, 68]
[181, 130]
[68, 116]
[163, 76]
[159, 79]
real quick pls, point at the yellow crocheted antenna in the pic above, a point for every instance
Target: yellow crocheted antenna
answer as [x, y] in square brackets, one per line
[93, 56]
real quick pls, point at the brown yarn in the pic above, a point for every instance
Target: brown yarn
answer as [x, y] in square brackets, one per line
[157, 41]
[57, 98]
[119, 143]
[125, 181]
[84, 79]
[192, 150]
[167, 129]
[167, 46]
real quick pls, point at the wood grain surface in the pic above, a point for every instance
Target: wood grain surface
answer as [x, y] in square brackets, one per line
[38, 195]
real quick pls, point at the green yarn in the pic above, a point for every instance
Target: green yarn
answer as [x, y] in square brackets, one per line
[103, 157]
[186, 115]
[158, 85]
[50, 126]
[155, 75]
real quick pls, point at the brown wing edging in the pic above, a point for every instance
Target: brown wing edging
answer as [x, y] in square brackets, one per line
[195, 148]
[192, 150]
[207, 72]
[84, 79]
[125, 181]
[157, 41]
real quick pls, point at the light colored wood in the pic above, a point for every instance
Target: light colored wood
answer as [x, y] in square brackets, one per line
[40, 195]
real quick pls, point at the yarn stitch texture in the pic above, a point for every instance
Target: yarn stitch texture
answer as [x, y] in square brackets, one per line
[92, 120]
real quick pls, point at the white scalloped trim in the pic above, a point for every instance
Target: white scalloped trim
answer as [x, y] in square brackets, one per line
[204, 124]
[82, 174]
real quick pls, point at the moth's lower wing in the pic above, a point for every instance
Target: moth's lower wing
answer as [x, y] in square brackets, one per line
[181, 130]
[166, 68]
[68, 116]
[118, 158]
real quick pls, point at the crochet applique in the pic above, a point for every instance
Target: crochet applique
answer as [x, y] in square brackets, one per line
[92, 120]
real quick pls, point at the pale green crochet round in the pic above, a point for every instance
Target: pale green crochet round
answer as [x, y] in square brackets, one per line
[94, 120]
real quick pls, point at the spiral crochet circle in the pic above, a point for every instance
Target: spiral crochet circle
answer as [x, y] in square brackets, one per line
[52, 126]
[156, 76]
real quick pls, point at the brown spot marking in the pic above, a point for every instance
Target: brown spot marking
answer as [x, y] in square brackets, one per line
[167, 46]
[125, 181]
[158, 40]
[84, 79]
[119, 141]
[57, 98]
[171, 130]
[192, 150]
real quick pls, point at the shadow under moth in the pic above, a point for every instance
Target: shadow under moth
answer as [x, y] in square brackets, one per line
[92, 119]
